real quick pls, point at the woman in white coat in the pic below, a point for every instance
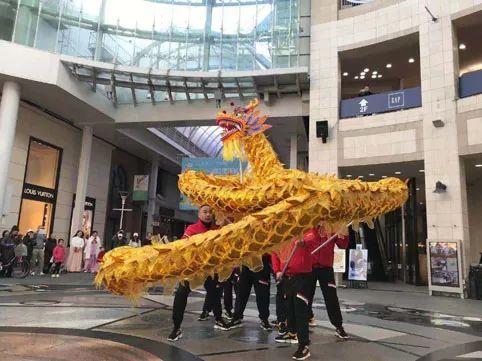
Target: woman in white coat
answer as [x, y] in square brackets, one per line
[91, 251]
[74, 262]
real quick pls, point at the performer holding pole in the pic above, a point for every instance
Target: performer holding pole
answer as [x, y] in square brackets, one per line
[323, 256]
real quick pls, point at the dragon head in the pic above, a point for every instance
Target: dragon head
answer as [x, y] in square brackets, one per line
[243, 122]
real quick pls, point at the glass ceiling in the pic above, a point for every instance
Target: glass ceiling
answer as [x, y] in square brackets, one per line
[206, 138]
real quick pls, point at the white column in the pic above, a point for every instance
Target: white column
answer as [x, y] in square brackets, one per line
[82, 178]
[8, 122]
[152, 194]
[294, 151]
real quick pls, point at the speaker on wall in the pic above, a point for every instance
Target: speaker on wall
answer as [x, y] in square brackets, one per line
[322, 129]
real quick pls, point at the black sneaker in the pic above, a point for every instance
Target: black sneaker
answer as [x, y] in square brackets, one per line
[286, 338]
[264, 324]
[340, 333]
[203, 316]
[228, 314]
[235, 323]
[175, 335]
[302, 353]
[221, 325]
[282, 330]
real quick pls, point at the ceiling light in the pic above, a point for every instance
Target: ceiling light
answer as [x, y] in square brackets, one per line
[389, 65]
[478, 166]
[421, 203]
[411, 60]
[375, 72]
[374, 76]
[384, 176]
[379, 75]
[462, 46]
[398, 172]
[360, 176]
[421, 170]
[348, 175]
[417, 188]
[366, 70]
[362, 73]
[345, 74]
[372, 174]
[356, 76]
[362, 76]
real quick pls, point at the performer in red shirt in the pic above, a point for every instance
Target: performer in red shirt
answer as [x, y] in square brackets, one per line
[297, 282]
[212, 286]
[323, 273]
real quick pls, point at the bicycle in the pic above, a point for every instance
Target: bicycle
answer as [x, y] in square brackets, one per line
[20, 266]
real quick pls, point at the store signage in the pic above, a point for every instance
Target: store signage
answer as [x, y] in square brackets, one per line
[339, 260]
[141, 188]
[444, 269]
[38, 193]
[381, 103]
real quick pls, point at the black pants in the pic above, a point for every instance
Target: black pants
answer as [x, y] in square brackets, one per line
[326, 277]
[280, 302]
[213, 297]
[298, 291]
[261, 282]
[57, 268]
[228, 286]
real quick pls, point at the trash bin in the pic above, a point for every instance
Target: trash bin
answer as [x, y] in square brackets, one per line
[475, 282]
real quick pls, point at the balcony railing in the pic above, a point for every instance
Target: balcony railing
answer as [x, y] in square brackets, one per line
[470, 84]
[381, 103]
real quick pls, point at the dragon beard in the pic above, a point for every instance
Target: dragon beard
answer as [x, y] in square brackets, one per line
[233, 148]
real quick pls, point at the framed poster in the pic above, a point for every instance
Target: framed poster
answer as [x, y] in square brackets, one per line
[358, 265]
[140, 188]
[445, 265]
[339, 260]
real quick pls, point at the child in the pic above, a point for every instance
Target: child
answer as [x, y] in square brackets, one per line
[59, 256]
[100, 256]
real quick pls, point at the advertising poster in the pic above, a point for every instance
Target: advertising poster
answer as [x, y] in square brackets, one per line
[208, 166]
[358, 265]
[339, 261]
[444, 268]
[141, 188]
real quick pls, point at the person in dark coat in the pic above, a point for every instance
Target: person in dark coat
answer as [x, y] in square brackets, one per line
[7, 247]
[119, 239]
[29, 240]
[50, 244]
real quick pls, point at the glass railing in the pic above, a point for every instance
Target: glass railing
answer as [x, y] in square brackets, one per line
[470, 84]
[161, 34]
[381, 103]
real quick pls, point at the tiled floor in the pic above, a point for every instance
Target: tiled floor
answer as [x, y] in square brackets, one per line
[68, 319]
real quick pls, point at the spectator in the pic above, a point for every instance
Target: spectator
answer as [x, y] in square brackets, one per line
[119, 239]
[74, 262]
[28, 240]
[7, 250]
[49, 249]
[365, 91]
[135, 240]
[148, 240]
[38, 251]
[91, 252]
[58, 257]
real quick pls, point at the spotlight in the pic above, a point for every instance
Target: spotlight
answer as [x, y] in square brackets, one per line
[438, 123]
[411, 60]
[379, 75]
[440, 187]
[356, 77]
[478, 166]
[345, 74]
[389, 65]
[372, 174]
[421, 170]
[462, 46]
[362, 76]
[366, 70]
[375, 72]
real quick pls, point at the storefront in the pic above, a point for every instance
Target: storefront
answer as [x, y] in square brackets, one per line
[39, 192]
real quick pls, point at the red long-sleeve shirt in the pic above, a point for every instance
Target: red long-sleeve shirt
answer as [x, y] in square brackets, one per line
[324, 257]
[301, 262]
[197, 228]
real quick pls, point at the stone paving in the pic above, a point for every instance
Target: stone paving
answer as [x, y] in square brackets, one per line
[68, 319]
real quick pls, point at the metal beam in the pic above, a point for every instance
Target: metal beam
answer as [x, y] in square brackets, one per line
[133, 90]
[188, 97]
[113, 89]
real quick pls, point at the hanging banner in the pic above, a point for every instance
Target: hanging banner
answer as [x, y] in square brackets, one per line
[141, 188]
[339, 260]
[358, 268]
[208, 166]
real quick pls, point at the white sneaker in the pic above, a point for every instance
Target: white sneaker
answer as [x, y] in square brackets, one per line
[41, 273]
[32, 273]
[57, 276]
[53, 276]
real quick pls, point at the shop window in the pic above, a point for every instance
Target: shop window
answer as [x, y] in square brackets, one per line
[39, 192]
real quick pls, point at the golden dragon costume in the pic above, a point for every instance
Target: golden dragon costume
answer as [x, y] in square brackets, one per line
[269, 206]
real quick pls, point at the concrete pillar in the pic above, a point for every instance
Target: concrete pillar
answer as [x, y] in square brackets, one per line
[294, 151]
[8, 122]
[151, 210]
[447, 216]
[82, 178]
